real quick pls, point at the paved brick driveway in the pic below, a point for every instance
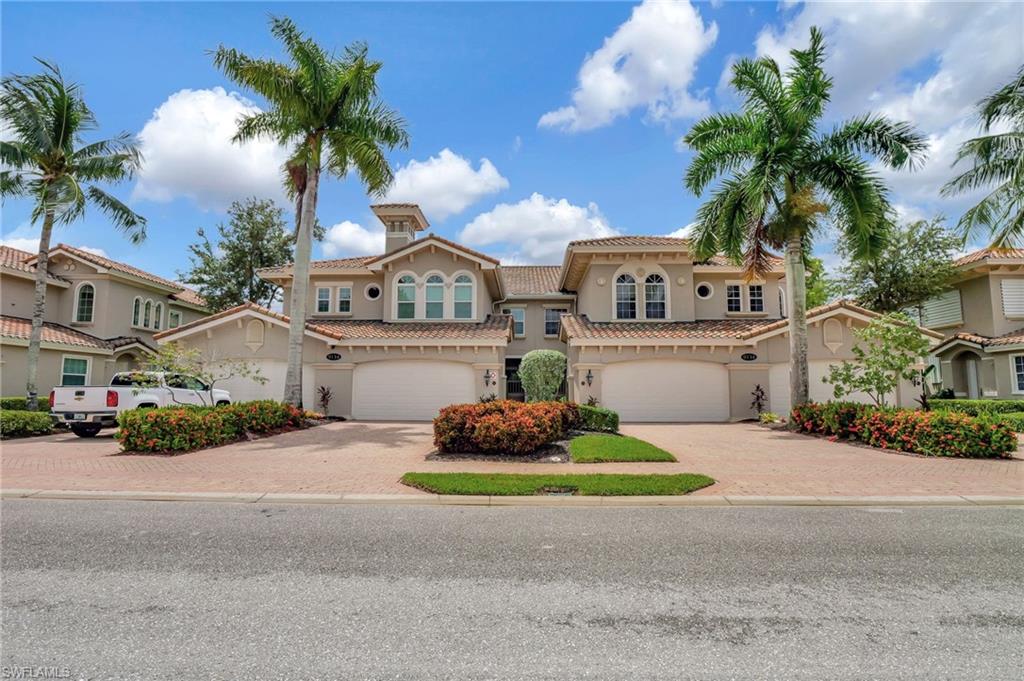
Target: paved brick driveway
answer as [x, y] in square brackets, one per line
[353, 457]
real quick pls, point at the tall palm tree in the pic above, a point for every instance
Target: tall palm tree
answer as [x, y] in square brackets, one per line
[48, 163]
[318, 103]
[998, 160]
[784, 176]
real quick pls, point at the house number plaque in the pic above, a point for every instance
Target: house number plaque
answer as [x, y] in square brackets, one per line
[748, 357]
[333, 356]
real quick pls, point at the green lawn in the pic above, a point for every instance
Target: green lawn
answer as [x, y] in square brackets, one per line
[596, 447]
[511, 484]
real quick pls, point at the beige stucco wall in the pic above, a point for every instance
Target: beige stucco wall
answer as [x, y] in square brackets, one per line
[995, 372]
[362, 307]
[423, 263]
[17, 294]
[535, 338]
[14, 368]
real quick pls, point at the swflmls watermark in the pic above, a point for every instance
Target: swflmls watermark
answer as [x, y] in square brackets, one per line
[27, 672]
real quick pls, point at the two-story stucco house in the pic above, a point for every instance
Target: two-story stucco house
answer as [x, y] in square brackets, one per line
[101, 316]
[647, 331]
[982, 318]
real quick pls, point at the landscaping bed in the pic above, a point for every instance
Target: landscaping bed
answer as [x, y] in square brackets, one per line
[19, 423]
[596, 484]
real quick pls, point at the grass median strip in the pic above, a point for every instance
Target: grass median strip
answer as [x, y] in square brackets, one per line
[596, 484]
[597, 448]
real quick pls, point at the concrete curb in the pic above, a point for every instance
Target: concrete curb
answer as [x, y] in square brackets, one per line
[553, 501]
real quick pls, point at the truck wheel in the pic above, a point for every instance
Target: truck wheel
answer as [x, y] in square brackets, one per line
[85, 431]
[223, 403]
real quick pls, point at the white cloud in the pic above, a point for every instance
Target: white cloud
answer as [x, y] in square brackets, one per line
[188, 152]
[683, 232]
[445, 184]
[649, 62]
[536, 229]
[351, 239]
[24, 241]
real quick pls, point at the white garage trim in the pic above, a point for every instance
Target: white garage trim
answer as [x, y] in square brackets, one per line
[410, 390]
[666, 390]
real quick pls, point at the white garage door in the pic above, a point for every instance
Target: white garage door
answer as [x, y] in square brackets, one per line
[818, 390]
[246, 389]
[666, 390]
[409, 390]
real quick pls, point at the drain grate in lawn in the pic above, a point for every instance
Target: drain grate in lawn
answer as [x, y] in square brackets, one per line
[596, 484]
[600, 447]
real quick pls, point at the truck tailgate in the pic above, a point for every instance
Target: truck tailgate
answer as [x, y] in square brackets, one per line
[82, 398]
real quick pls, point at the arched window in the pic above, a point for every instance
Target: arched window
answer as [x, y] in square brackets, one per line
[136, 311]
[654, 296]
[625, 297]
[147, 313]
[463, 297]
[406, 294]
[435, 297]
[85, 303]
[158, 316]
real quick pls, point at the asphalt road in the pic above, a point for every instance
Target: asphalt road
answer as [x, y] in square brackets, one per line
[149, 590]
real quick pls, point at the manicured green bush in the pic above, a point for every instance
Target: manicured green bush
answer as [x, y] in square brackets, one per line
[1014, 419]
[599, 419]
[182, 429]
[934, 433]
[20, 423]
[768, 417]
[21, 404]
[502, 426]
[975, 407]
[542, 373]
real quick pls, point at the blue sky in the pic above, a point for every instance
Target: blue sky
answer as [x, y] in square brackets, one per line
[531, 123]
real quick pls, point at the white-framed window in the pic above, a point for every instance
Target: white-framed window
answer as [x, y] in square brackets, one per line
[74, 370]
[654, 297]
[733, 298]
[372, 291]
[625, 297]
[1017, 362]
[755, 297]
[518, 315]
[1013, 297]
[405, 295]
[553, 320]
[136, 311]
[323, 300]
[173, 319]
[85, 303]
[705, 290]
[158, 316]
[434, 296]
[463, 294]
[345, 299]
[147, 314]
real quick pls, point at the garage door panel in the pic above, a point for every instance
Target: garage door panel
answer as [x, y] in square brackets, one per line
[666, 391]
[409, 390]
[244, 389]
[817, 389]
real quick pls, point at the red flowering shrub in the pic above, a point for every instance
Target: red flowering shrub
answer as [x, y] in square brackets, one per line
[935, 433]
[502, 426]
[182, 429]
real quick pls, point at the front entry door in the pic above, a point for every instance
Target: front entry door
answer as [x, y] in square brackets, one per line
[972, 379]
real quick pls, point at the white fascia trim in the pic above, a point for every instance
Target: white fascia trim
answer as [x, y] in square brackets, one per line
[663, 343]
[117, 274]
[541, 296]
[430, 241]
[417, 342]
[171, 337]
[11, 272]
[141, 346]
[1003, 348]
[842, 311]
[48, 345]
[959, 341]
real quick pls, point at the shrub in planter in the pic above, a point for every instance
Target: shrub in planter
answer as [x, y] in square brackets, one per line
[502, 426]
[598, 419]
[1015, 420]
[21, 404]
[976, 407]
[20, 423]
[833, 419]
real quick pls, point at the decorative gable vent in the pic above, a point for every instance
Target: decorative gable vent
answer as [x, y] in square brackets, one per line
[1013, 297]
[942, 310]
[832, 334]
[254, 334]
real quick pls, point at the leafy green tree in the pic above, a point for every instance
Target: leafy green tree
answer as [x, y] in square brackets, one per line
[998, 165]
[820, 287]
[47, 162]
[888, 350]
[915, 265]
[175, 358]
[255, 236]
[542, 373]
[783, 175]
[327, 111]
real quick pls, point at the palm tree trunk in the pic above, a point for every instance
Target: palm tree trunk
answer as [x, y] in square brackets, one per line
[38, 311]
[300, 285]
[796, 300]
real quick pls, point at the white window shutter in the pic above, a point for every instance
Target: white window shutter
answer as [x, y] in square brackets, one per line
[1013, 297]
[942, 310]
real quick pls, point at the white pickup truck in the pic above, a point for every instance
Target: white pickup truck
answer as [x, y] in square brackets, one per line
[88, 408]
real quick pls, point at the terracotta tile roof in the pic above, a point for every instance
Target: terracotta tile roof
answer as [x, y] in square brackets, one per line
[334, 263]
[14, 259]
[395, 205]
[723, 261]
[990, 254]
[21, 328]
[218, 315]
[190, 296]
[531, 279]
[121, 341]
[580, 326]
[419, 242]
[1011, 338]
[631, 240]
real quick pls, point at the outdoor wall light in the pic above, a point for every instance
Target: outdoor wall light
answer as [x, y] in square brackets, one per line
[590, 377]
[488, 378]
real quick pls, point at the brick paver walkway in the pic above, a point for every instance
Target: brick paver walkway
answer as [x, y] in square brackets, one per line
[357, 457]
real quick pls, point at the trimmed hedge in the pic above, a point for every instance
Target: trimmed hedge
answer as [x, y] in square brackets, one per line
[977, 407]
[1014, 419]
[20, 423]
[598, 419]
[21, 404]
[502, 426]
[934, 433]
[182, 429]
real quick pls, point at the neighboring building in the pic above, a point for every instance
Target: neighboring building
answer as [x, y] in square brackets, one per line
[647, 331]
[101, 316]
[982, 318]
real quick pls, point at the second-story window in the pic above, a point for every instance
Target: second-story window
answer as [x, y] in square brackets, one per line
[85, 304]
[136, 311]
[518, 320]
[158, 316]
[625, 297]
[733, 298]
[323, 300]
[345, 299]
[173, 319]
[755, 297]
[435, 297]
[553, 320]
[147, 314]
[406, 294]
[463, 294]
[654, 296]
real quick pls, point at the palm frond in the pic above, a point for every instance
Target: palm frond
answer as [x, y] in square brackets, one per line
[273, 80]
[858, 197]
[761, 84]
[720, 125]
[123, 218]
[12, 183]
[809, 86]
[895, 143]
[1005, 103]
[726, 154]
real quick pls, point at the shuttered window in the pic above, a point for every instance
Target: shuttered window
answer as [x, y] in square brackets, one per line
[943, 310]
[1013, 297]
